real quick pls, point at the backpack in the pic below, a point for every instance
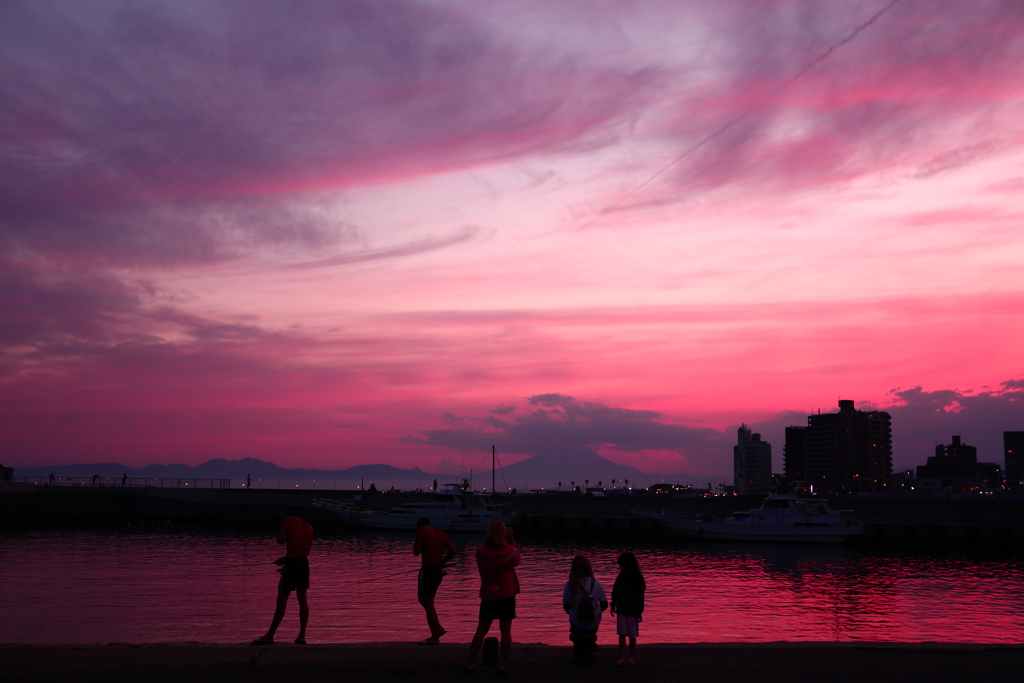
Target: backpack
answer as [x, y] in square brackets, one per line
[585, 608]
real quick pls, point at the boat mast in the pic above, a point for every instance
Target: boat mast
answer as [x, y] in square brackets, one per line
[493, 458]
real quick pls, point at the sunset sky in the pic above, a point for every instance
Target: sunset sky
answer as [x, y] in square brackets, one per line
[330, 234]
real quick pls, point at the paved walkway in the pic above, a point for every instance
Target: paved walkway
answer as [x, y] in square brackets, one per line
[382, 663]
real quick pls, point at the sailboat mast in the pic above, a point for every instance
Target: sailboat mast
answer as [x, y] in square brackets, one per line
[493, 458]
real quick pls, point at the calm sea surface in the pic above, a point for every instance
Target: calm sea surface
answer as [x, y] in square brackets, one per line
[176, 584]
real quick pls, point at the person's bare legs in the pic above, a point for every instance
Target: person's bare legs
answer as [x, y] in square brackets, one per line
[622, 651]
[300, 593]
[506, 641]
[282, 605]
[432, 620]
[478, 640]
[632, 649]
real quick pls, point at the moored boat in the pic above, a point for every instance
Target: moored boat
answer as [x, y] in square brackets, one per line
[782, 518]
[455, 510]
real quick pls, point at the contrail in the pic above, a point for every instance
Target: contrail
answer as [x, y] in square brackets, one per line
[714, 134]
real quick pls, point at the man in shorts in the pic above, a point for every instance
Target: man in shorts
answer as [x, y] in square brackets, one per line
[436, 549]
[298, 535]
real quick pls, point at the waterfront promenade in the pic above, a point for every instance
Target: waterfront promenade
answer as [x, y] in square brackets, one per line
[381, 663]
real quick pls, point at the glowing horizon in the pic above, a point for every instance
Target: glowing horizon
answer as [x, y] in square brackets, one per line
[319, 245]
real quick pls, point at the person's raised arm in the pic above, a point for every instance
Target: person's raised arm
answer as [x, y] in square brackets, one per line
[282, 538]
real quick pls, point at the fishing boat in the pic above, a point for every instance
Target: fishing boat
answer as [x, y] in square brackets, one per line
[453, 510]
[456, 508]
[782, 518]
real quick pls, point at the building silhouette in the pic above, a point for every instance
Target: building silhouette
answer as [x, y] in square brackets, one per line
[850, 450]
[752, 463]
[1013, 459]
[793, 454]
[956, 467]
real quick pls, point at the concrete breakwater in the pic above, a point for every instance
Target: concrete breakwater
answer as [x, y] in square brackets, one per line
[542, 512]
[969, 520]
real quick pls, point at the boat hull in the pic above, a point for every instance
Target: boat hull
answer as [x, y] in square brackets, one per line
[676, 526]
[401, 520]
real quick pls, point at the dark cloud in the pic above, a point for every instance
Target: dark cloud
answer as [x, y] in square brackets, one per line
[921, 419]
[560, 428]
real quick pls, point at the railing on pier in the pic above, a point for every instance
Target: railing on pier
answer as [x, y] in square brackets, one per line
[128, 482]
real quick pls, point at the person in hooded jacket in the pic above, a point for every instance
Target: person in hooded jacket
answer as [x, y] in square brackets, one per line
[496, 561]
[582, 586]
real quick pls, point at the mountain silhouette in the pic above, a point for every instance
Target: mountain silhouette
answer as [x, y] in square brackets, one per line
[543, 470]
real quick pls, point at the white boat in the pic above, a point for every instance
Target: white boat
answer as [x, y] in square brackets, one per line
[780, 519]
[451, 511]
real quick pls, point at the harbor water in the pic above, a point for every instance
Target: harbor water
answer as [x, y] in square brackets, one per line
[172, 583]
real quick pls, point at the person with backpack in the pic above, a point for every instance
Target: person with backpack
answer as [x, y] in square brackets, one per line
[583, 599]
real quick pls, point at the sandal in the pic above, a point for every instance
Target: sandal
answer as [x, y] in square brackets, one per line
[262, 641]
[300, 641]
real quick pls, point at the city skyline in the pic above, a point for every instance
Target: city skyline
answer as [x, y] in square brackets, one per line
[398, 232]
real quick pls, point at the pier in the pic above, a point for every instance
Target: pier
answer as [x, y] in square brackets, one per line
[965, 521]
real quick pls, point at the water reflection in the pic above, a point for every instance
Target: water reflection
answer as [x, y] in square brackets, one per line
[217, 585]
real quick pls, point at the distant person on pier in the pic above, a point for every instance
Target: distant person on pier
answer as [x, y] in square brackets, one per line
[124, 479]
[298, 535]
[496, 561]
[583, 599]
[436, 549]
[628, 605]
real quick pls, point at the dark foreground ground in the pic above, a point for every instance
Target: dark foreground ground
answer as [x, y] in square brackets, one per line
[379, 663]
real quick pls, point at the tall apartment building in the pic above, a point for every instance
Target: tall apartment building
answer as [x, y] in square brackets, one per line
[793, 454]
[850, 450]
[1013, 454]
[956, 466]
[752, 463]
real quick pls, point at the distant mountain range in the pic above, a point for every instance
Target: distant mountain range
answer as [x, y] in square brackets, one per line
[534, 472]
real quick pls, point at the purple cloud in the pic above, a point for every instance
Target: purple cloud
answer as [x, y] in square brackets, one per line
[146, 132]
[811, 94]
[562, 429]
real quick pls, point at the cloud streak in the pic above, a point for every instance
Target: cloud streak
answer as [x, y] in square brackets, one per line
[142, 121]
